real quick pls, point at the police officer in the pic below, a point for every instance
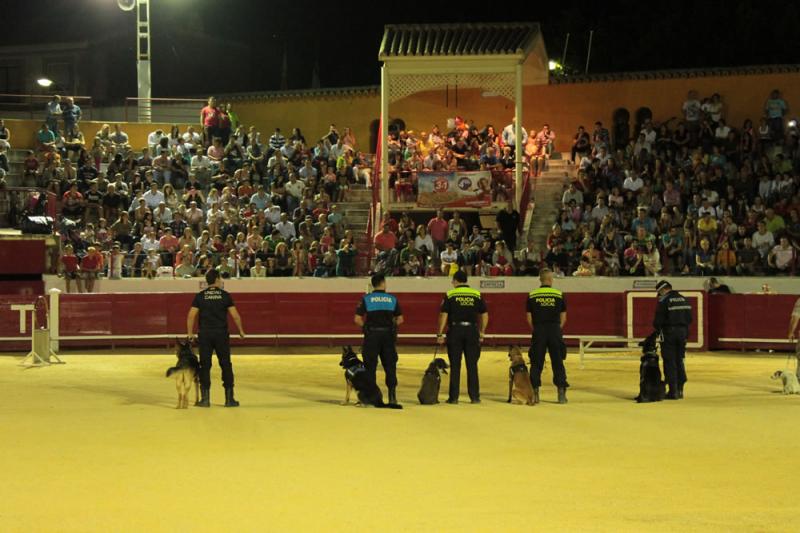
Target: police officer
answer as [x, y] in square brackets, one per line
[464, 314]
[547, 314]
[379, 314]
[214, 305]
[672, 321]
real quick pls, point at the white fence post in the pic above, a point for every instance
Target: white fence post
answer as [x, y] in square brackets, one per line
[53, 319]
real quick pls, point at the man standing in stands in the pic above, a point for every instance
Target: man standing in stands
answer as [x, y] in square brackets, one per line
[510, 135]
[672, 321]
[209, 120]
[213, 305]
[508, 224]
[464, 314]
[547, 314]
[379, 315]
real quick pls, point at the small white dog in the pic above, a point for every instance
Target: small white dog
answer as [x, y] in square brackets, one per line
[790, 383]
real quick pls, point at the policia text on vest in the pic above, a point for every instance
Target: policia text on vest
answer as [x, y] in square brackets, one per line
[379, 314]
[547, 313]
[464, 314]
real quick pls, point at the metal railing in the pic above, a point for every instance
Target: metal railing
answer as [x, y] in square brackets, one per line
[168, 110]
[33, 106]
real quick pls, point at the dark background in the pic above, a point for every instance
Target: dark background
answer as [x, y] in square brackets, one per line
[202, 46]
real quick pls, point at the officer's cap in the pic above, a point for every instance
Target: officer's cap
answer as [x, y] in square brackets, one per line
[663, 284]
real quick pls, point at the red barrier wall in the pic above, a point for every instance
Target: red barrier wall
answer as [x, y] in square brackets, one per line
[319, 316]
[25, 256]
[749, 316]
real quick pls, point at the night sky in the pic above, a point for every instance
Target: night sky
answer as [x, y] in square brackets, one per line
[343, 37]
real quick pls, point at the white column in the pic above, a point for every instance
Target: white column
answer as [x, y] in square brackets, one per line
[55, 298]
[384, 133]
[143, 60]
[518, 134]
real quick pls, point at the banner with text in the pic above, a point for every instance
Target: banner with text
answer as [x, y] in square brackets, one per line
[454, 189]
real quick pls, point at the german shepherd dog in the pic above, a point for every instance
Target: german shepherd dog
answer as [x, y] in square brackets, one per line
[356, 376]
[429, 390]
[520, 390]
[186, 373]
[651, 387]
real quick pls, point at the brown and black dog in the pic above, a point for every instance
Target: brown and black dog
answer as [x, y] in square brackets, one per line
[520, 390]
[356, 376]
[186, 374]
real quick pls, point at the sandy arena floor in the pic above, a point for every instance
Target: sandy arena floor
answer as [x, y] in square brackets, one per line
[96, 445]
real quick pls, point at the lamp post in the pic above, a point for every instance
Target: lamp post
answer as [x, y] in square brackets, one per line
[142, 54]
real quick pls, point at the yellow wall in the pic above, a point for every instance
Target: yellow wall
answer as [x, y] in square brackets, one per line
[563, 106]
[23, 132]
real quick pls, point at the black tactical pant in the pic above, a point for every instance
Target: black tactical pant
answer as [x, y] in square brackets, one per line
[464, 340]
[673, 351]
[548, 338]
[210, 341]
[380, 344]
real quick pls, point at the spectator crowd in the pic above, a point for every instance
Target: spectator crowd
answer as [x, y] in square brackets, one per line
[694, 196]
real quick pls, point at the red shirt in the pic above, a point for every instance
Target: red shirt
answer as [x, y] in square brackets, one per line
[92, 262]
[385, 241]
[438, 229]
[210, 116]
[70, 262]
[168, 243]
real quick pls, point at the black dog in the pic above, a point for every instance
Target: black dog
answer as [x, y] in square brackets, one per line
[429, 390]
[651, 387]
[357, 377]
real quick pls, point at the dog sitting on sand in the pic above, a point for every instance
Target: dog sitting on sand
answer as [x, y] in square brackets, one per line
[431, 381]
[791, 385]
[651, 387]
[357, 377]
[520, 390]
[186, 374]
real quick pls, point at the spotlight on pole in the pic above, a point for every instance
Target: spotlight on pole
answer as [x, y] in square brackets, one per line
[44, 82]
[554, 66]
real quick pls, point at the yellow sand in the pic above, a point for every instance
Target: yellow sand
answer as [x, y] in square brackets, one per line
[96, 445]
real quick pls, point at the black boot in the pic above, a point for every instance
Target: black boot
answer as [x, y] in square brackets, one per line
[672, 394]
[535, 395]
[204, 398]
[229, 401]
[680, 392]
[562, 395]
[393, 395]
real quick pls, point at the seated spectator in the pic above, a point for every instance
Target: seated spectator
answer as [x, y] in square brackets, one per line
[345, 259]
[45, 139]
[502, 261]
[385, 245]
[651, 259]
[763, 240]
[449, 259]
[726, 259]
[782, 258]
[704, 263]
[91, 266]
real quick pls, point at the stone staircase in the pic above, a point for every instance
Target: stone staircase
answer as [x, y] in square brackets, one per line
[15, 168]
[547, 198]
[356, 206]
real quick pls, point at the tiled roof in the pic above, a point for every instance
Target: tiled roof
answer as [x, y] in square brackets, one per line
[676, 74]
[457, 39]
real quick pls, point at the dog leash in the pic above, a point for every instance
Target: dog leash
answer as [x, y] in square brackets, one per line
[435, 352]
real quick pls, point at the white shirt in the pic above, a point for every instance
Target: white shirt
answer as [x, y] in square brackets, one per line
[295, 189]
[163, 216]
[200, 161]
[192, 137]
[722, 132]
[286, 229]
[691, 110]
[336, 151]
[763, 243]
[632, 183]
[154, 138]
[273, 214]
[150, 244]
[307, 172]
[152, 199]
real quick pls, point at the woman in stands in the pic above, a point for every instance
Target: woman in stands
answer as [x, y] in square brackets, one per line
[284, 263]
[705, 261]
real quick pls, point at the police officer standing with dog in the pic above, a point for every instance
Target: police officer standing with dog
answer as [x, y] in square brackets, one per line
[379, 315]
[547, 314]
[672, 321]
[213, 305]
[463, 313]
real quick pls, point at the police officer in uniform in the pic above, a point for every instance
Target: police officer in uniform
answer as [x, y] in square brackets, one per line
[379, 314]
[672, 321]
[464, 313]
[547, 314]
[214, 305]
